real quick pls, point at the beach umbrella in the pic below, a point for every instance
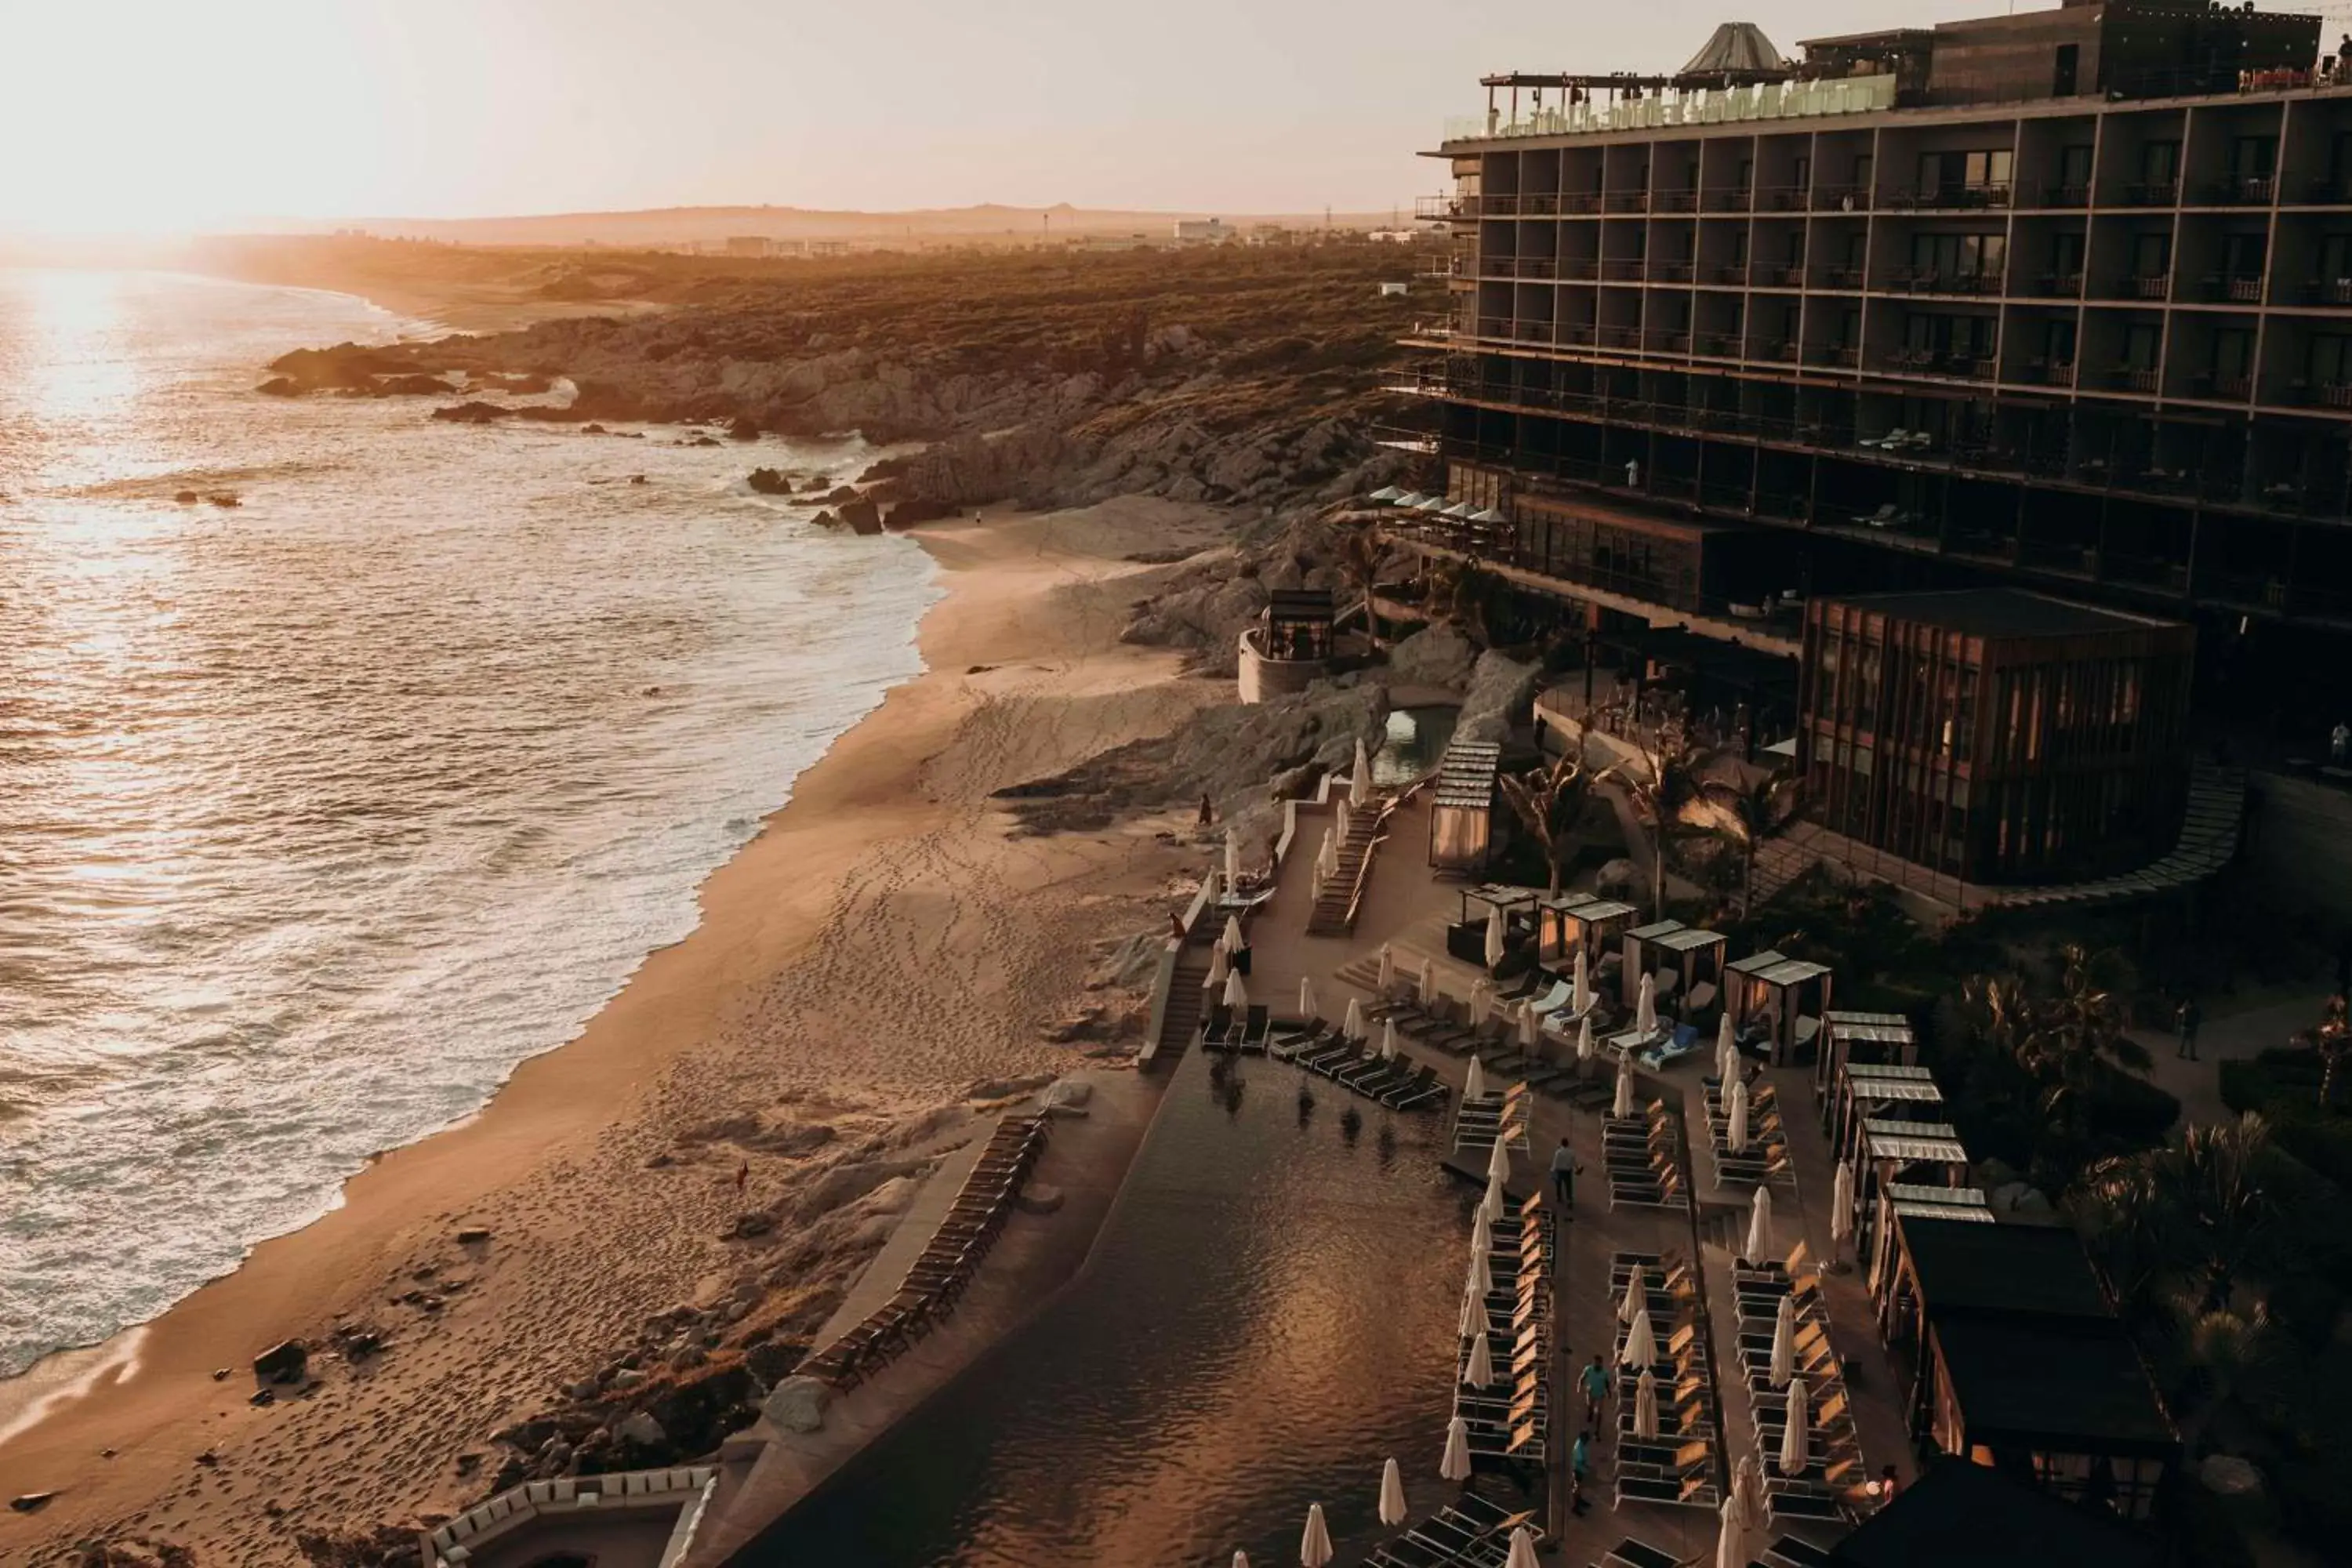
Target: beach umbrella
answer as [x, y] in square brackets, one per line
[1315, 1545]
[1327, 859]
[1359, 782]
[1343, 817]
[1795, 1444]
[1784, 1343]
[1481, 1373]
[1646, 1406]
[1748, 1492]
[1237, 993]
[1481, 1278]
[1233, 865]
[1492, 1204]
[1474, 1086]
[1388, 1039]
[1353, 1025]
[1624, 1104]
[1523, 1548]
[1645, 1007]
[1494, 936]
[1481, 989]
[1759, 1226]
[1307, 996]
[1241, 1560]
[1842, 1205]
[1727, 1540]
[1428, 988]
[1727, 1049]
[1455, 1464]
[1413, 498]
[1498, 1159]
[1579, 996]
[1482, 1230]
[1584, 1038]
[1391, 1495]
[1218, 967]
[1474, 1312]
[1234, 943]
[1388, 967]
[1459, 510]
[1385, 494]
[1641, 1343]
[1735, 1114]
[1637, 1292]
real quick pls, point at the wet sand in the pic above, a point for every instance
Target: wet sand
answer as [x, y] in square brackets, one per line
[882, 947]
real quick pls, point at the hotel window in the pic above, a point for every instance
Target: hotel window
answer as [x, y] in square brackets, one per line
[2143, 341]
[2151, 255]
[2058, 342]
[2329, 363]
[2336, 259]
[2243, 255]
[2253, 158]
[2075, 167]
[2159, 163]
[2066, 253]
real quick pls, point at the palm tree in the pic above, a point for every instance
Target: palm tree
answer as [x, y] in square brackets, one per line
[1463, 594]
[1667, 798]
[2066, 1042]
[2194, 1211]
[2220, 1351]
[1750, 813]
[2332, 1038]
[1550, 802]
[1360, 554]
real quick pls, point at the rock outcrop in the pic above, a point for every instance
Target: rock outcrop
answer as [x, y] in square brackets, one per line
[1502, 693]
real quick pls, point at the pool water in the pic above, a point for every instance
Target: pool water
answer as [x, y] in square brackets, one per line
[1269, 1314]
[1415, 744]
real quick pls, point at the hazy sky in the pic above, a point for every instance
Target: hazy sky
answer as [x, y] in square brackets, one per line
[156, 114]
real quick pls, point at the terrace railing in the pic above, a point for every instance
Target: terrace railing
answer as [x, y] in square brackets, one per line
[1687, 105]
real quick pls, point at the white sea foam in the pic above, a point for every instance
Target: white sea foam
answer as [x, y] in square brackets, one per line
[318, 814]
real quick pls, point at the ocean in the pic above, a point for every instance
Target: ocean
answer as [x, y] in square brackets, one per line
[320, 813]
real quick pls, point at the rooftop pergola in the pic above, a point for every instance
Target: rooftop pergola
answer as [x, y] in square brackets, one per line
[1862, 1036]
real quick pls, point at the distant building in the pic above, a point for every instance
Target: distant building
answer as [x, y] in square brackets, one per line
[1202, 231]
[1395, 291]
[1392, 235]
[750, 244]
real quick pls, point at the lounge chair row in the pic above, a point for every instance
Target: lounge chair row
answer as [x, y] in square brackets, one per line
[1501, 1115]
[1676, 1466]
[1469, 1532]
[1399, 1083]
[1824, 1489]
[1509, 1422]
[1444, 1023]
[1225, 1028]
[1766, 1157]
[936, 1281]
[1640, 1155]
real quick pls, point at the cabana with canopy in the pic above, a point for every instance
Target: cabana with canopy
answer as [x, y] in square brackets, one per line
[1899, 1201]
[1778, 1001]
[1688, 967]
[1462, 807]
[1869, 1091]
[1465, 939]
[1921, 1154]
[1573, 921]
[1861, 1037]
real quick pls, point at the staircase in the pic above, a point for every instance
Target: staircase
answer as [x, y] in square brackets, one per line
[1181, 1020]
[1778, 862]
[1335, 913]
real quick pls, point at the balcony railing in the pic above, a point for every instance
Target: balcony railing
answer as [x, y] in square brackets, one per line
[1731, 199]
[1449, 208]
[1834, 356]
[2329, 291]
[2234, 287]
[1929, 281]
[1949, 198]
[2144, 285]
[1781, 199]
[2234, 386]
[2059, 286]
[1789, 276]
[1658, 341]
[2131, 378]
[1781, 350]
[1579, 204]
[2150, 193]
[1928, 361]
[1719, 345]
[2241, 190]
[1625, 202]
[2327, 394]
[2049, 372]
[1687, 105]
[1678, 201]
[1845, 277]
[1841, 198]
[1540, 204]
[1670, 271]
[1580, 269]
[2067, 196]
[1622, 269]
[1619, 337]
[1729, 277]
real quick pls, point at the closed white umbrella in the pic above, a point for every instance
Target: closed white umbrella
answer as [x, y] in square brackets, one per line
[1494, 937]
[1842, 1205]
[1234, 943]
[1498, 1159]
[1427, 990]
[1624, 1104]
[1482, 1363]
[1481, 989]
[1641, 1342]
[1645, 1007]
[1388, 1039]
[1796, 1441]
[1530, 1027]
[1584, 1038]
[1454, 1466]
[1233, 863]
[1327, 859]
[1474, 1085]
[1735, 1114]
[1784, 1343]
[1482, 1230]
[1392, 1508]
[1637, 1294]
[1481, 1278]
[1359, 782]
[1241, 1560]
[1645, 1405]
[1307, 996]
[1759, 1226]
[1579, 996]
[1315, 1545]
[1387, 966]
[1237, 993]
[1353, 1025]
[1727, 1553]
[1748, 1492]
[1495, 1199]
[1727, 1049]
[1218, 968]
[1474, 1315]
[1523, 1548]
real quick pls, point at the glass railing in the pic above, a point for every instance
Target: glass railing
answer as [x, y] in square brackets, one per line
[1688, 106]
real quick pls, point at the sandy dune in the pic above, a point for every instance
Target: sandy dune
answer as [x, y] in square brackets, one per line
[880, 948]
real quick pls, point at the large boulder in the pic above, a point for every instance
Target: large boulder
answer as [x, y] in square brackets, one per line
[1435, 656]
[1502, 692]
[642, 1429]
[797, 1404]
[283, 1363]
[862, 516]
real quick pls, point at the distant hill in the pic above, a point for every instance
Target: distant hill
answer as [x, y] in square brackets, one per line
[679, 225]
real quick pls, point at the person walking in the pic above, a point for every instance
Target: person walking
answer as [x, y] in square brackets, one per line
[1563, 1175]
[1594, 1381]
[2186, 1019]
[1580, 1465]
[2339, 743]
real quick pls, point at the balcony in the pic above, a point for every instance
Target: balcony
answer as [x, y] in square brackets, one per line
[1540, 204]
[1661, 340]
[1444, 208]
[1790, 276]
[1535, 266]
[2054, 555]
[1580, 203]
[2058, 285]
[1949, 198]
[2240, 190]
[1847, 278]
[1625, 202]
[2144, 571]
[2327, 291]
[1733, 199]
[2132, 377]
[2144, 285]
[1781, 199]
[1719, 345]
[1619, 337]
[2234, 287]
[1727, 277]
[1671, 272]
[1841, 199]
[1928, 281]
[2234, 386]
[1834, 356]
[1781, 351]
[2048, 372]
[1578, 269]
[1929, 361]
[2067, 196]
[2324, 393]
[1682, 201]
[2150, 193]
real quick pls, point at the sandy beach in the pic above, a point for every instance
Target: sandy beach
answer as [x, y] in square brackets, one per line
[881, 951]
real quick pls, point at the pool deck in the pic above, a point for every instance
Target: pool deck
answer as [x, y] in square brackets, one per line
[1407, 906]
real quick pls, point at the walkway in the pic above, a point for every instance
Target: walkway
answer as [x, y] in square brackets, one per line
[2230, 1034]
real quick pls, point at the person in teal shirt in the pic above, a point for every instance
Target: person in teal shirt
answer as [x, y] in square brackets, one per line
[1595, 1379]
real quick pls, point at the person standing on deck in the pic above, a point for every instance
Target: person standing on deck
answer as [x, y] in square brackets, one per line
[1563, 1175]
[1595, 1381]
[2187, 1019]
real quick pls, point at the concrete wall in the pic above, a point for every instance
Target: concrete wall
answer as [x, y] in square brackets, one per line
[1262, 678]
